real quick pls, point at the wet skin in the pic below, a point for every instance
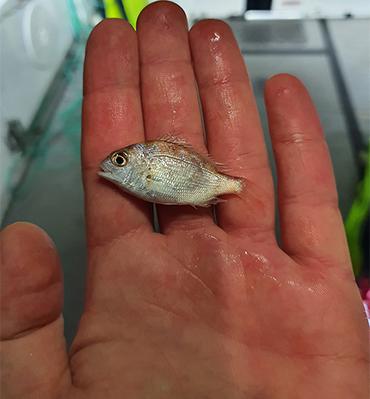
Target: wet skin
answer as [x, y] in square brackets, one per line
[201, 310]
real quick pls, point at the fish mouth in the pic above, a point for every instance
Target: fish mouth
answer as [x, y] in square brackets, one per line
[105, 174]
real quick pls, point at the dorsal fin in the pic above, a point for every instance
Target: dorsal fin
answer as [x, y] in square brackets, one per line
[174, 140]
[180, 141]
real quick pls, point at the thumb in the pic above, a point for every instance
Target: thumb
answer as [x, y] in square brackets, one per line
[33, 351]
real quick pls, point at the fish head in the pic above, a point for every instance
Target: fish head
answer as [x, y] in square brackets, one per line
[124, 167]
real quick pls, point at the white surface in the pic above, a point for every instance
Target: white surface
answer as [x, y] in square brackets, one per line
[324, 9]
[352, 45]
[35, 36]
[40, 34]
[7, 5]
[196, 9]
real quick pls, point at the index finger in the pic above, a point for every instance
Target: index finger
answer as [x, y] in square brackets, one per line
[111, 119]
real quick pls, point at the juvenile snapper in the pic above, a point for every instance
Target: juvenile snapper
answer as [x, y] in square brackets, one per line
[167, 172]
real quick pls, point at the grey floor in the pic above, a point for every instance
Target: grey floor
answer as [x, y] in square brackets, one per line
[51, 192]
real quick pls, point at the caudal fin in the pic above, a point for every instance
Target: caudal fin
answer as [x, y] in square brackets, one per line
[234, 185]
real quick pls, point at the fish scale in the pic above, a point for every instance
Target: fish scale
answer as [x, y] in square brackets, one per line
[168, 172]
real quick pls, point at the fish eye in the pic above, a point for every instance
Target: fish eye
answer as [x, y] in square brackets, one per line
[119, 158]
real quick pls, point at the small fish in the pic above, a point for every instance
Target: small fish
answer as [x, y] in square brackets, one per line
[168, 172]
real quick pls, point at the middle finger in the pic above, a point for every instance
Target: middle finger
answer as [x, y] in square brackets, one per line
[169, 95]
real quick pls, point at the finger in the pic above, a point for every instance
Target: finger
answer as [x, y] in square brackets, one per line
[33, 350]
[310, 220]
[234, 133]
[111, 119]
[169, 94]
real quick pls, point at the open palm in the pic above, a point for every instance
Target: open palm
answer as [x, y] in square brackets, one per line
[200, 310]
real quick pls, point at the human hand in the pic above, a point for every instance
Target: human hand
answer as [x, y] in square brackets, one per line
[200, 310]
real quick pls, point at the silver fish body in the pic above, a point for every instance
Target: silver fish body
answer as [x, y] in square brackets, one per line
[169, 173]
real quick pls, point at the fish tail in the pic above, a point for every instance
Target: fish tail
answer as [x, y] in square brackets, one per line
[240, 185]
[236, 185]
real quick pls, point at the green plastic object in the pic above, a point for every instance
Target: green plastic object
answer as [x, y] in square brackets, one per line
[112, 9]
[132, 9]
[356, 219]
